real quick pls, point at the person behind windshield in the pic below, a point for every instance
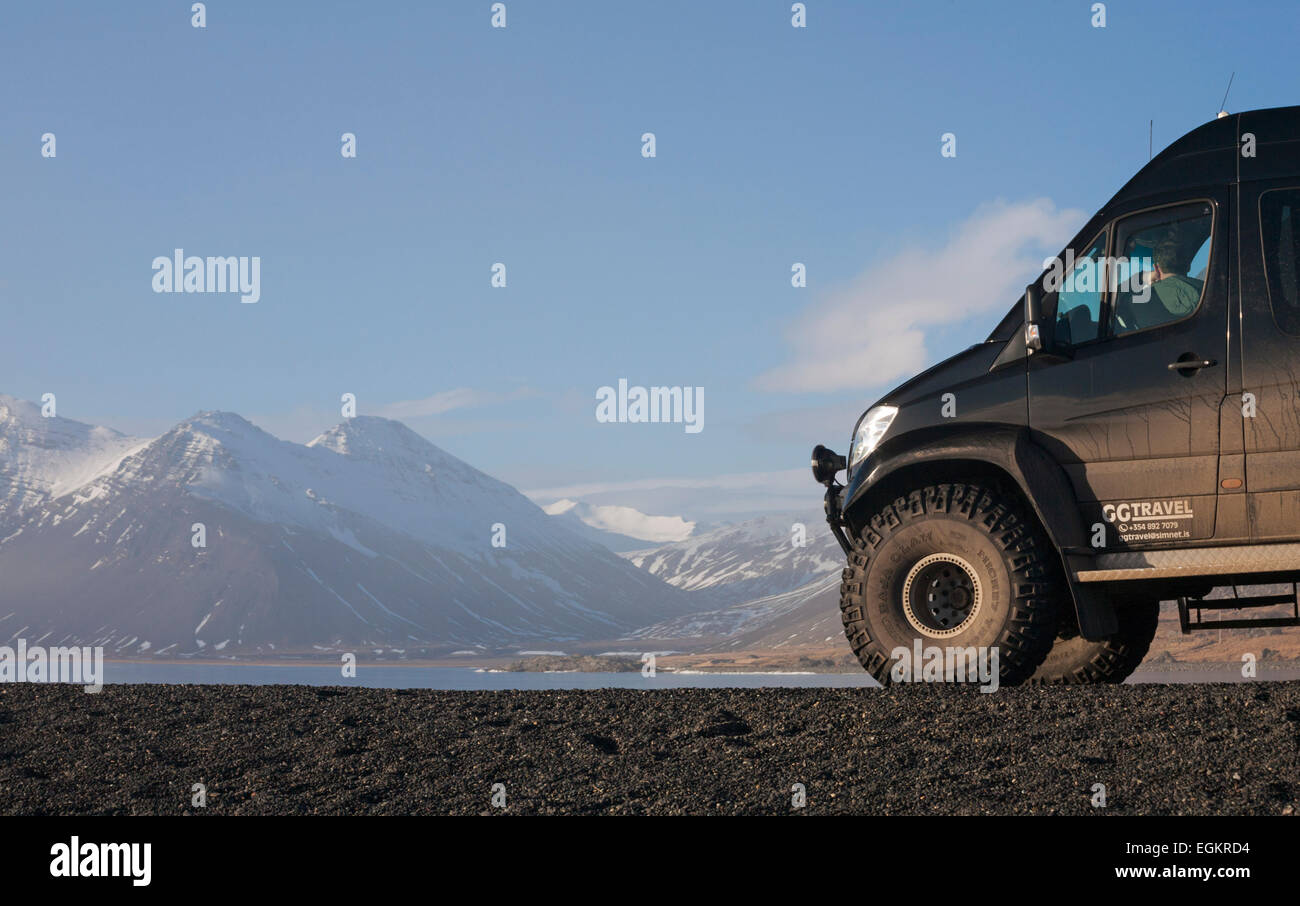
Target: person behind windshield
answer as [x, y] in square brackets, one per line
[1176, 292]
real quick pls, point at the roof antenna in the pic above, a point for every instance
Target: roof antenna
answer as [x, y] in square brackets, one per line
[1151, 126]
[1223, 110]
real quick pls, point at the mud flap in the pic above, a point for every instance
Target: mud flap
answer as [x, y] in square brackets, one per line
[1092, 604]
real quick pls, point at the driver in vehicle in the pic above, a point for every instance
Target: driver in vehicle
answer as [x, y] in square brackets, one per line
[1176, 292]
[1167, 292]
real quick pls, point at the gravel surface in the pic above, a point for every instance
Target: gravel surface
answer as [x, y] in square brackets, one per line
[1204, 749]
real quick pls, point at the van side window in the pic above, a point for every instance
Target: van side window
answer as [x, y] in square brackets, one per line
[1279, 216]
[1078, 295]
[1162, 258]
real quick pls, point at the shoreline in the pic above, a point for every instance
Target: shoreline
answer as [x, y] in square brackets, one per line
[513, 665]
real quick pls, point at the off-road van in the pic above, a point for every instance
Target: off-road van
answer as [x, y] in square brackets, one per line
[1128, 433]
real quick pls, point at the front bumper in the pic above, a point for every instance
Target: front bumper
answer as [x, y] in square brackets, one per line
[826, 464]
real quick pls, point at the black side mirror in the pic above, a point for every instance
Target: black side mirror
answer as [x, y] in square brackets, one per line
[1033, 317]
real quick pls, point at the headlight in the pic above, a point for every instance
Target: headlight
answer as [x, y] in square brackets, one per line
[870, 430]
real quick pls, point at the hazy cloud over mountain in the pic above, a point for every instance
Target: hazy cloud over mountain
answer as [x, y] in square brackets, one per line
[874, 330]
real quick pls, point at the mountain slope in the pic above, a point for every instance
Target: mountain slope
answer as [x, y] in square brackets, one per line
[369, 535]
[45, 457]
[807, 616]
[746, 561]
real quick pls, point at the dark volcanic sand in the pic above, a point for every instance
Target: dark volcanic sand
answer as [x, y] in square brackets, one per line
[1226, 748]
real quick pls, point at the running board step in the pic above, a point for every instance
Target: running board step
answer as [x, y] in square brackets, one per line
[1187, 605]
[1180, 563]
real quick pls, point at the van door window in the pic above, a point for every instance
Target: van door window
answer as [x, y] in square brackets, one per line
[1078, 299]
[1161, 261]
[1279, 215]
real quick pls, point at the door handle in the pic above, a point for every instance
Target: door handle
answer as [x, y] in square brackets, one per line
[1192, 364]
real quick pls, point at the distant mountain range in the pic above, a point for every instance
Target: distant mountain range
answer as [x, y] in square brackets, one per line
[764, 556]
[755, 586]
[369, 535]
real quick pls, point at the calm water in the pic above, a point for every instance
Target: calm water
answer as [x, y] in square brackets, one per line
[388, 677]
[395, 677]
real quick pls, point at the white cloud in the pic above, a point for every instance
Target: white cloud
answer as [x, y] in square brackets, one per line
[874, 330]
[624, 520]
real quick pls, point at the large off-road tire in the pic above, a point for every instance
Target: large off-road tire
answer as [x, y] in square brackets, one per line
[1076, 660]
[957, 565]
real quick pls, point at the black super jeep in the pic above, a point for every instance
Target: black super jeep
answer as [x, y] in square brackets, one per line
[1129, 433]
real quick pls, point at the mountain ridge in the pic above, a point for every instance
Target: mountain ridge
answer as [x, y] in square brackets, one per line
[367, 535]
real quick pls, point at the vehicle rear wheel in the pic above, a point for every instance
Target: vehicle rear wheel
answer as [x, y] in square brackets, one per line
[951, 565]
[1075, 660]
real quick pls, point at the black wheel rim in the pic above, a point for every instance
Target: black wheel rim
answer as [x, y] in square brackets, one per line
[941, 595]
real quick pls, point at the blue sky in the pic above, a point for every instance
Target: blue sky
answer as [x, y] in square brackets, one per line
[522, 145]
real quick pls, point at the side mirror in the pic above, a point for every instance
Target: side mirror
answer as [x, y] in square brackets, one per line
[1033, 303]
[1033, 315]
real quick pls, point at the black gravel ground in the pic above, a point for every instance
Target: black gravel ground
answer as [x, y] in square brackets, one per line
[1185, 749]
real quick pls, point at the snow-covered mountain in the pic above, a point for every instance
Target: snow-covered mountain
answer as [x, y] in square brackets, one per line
[619, 528]
[756, 586]
[747, 561]
[804, 617]
[46, 457]
[368, 535]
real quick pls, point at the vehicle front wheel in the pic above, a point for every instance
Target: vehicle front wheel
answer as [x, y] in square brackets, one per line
[1076, 660]
[953, 566]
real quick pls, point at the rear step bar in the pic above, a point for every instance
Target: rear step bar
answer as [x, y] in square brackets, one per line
[1187, 605]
